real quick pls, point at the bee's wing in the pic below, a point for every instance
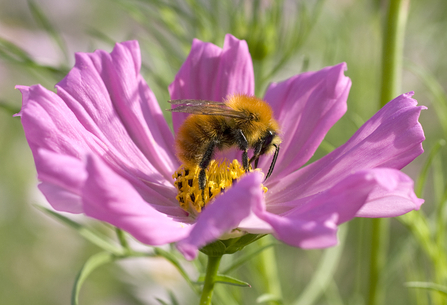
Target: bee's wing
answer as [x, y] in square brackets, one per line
[205, 108]
[191, 102]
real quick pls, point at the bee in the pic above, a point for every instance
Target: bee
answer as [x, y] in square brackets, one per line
[241, 121]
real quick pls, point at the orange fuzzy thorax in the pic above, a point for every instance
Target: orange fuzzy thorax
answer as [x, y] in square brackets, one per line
[264, 115]
[197, 131]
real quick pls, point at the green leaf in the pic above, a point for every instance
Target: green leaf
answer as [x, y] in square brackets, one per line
[90, 265]
[173, 299]
[229, 246]
[122, 239]
[46, 25]
[427, 285]
[224, 279]
[9, 108]
[245, 258]
[91, 236]
[420, 183]
[325, 272]
[14, 54]
[95, 33]
[439, 95]
[173, 260]
[162, 302]
[267, 297]
[237, 244]
[214, 249]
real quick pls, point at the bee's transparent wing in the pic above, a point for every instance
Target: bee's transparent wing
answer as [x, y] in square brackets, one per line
[193, 102]
[205, 108]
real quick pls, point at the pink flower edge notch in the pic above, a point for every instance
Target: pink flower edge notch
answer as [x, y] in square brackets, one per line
[101, 147]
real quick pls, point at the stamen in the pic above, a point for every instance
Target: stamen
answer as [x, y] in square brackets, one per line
[219, 177]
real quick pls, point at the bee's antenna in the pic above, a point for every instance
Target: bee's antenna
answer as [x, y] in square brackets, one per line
[272, 165]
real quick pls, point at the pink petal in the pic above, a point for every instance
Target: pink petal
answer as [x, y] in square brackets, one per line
[110, 198]
[313, 223]
[306, 106]
[90, 124]
[62, 179]
[391, 138]
[224, 214]
[49, 124]
[61, 199]
[254, 225]
[212, 73]
[109, 97]
[382, 203]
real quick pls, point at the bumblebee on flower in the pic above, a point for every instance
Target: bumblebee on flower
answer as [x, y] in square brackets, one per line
[243, 121]
[102, 147]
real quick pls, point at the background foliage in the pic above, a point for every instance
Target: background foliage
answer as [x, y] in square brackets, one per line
[40, 256]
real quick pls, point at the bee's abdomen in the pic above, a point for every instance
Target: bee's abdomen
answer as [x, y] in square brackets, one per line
[196, 134]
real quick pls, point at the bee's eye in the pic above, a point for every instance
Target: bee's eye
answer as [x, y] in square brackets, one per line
[268, 138]
[266, 141]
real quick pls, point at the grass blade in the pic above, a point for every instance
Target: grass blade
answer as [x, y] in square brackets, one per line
[427, 285]
[46, 25]
[246, 257]
[91, 236]
[325, 272]
[90, 265]
[224, 279]
[173, 260]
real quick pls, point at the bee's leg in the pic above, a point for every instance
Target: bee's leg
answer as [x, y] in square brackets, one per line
[245, 160]
[243, 145]
[206, 159]
[272, 165]
[256, 153]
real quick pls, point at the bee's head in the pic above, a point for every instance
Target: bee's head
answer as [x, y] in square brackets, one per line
[269, 141]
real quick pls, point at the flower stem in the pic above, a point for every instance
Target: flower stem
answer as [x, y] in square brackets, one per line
[269, 269]
[122, 240]
[392, 49]
[392, 54]
[208, 287]
[379, 249]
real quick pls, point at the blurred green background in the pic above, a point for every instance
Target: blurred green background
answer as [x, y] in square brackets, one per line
[40, 257]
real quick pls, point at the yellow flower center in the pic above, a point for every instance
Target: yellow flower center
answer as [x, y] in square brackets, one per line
[219, 177]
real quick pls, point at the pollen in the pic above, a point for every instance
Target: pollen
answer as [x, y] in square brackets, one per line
[220, 176]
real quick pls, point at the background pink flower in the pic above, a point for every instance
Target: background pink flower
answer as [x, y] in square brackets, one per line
[102, 147]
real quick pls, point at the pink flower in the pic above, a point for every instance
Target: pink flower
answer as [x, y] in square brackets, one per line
[102, 147]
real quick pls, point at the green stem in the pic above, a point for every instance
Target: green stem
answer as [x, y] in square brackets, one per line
[208, 287]
[392, 54]
[269, 269]
[122, 240]
[379, 249]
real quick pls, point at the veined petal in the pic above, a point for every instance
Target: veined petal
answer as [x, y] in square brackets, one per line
[62, 179]
[401, 200]
[391, 138]
[60, 198]
[86, 122]
[110, 198]
[306, 106]
[212, 73]
[49, 124]
[110, 99]
[254, 225]
[313, 222]
[224, 214]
